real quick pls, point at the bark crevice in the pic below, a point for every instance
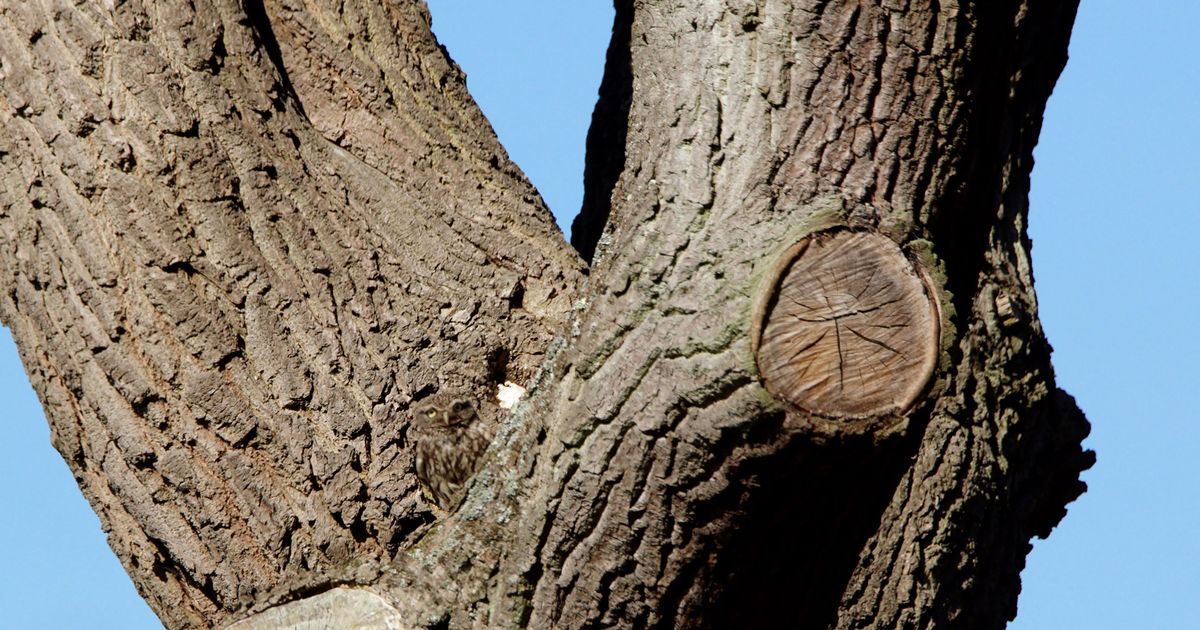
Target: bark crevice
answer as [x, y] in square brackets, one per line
[814, 507]
[606, 137]
[260, 23]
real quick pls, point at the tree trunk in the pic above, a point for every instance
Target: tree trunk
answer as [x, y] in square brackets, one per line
[243, 240]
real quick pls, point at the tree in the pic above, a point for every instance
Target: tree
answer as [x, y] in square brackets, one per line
[244, 240]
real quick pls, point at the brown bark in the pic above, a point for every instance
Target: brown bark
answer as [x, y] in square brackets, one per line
[236, 251]
[242, 240]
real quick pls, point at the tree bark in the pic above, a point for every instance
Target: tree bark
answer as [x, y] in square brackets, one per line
[243, 240]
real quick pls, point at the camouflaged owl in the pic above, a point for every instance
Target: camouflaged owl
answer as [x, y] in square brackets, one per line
[450, 445]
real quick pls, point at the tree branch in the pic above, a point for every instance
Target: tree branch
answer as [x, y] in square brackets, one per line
[238, 245]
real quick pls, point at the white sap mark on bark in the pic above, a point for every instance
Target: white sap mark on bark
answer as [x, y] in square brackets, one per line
[509, 394]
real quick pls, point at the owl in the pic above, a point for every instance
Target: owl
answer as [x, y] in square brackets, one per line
[450, 445]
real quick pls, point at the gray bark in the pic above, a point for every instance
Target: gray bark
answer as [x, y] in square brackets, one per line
[242, 240]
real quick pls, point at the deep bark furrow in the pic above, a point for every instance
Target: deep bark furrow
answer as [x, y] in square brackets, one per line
[606, 136]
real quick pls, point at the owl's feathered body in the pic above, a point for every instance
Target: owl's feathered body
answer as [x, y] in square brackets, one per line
[450, 446]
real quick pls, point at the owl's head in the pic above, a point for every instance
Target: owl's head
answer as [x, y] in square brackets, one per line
[460, 413]
[431, 416]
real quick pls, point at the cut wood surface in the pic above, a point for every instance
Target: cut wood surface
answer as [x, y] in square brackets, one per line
[851, 330]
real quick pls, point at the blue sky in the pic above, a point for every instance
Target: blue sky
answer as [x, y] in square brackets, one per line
[1114, 220]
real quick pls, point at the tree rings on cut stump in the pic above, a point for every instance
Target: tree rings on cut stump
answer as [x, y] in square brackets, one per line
[850, 328]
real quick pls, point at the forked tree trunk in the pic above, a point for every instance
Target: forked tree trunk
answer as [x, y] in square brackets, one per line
[801, 383]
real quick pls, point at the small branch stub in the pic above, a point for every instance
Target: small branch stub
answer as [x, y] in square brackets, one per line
[849, 328]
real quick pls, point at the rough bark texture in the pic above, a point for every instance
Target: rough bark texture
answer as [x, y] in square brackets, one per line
[235, 250]
[240, 240]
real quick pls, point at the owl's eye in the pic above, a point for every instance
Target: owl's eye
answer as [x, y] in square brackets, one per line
[432, 413]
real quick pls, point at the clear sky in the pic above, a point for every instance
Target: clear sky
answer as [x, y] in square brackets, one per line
[1114, 220]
